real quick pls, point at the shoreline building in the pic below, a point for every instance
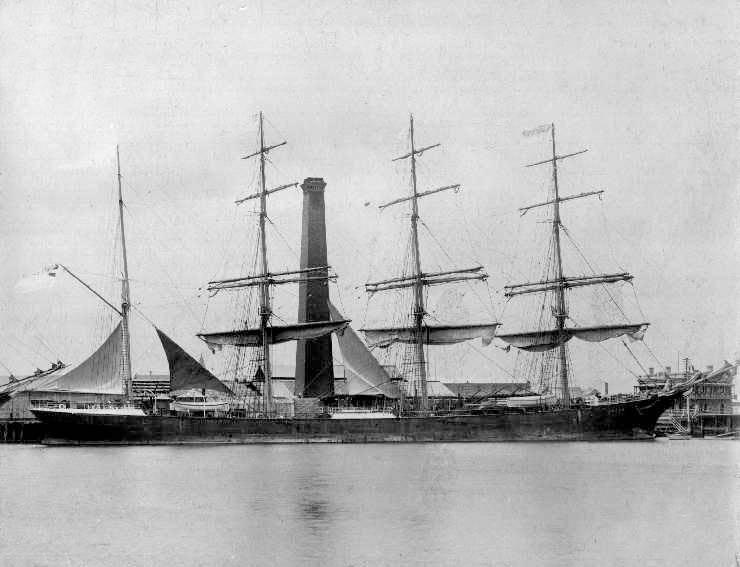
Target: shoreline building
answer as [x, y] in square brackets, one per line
[706, 409]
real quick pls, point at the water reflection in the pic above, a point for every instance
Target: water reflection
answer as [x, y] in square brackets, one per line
[479, 504]
[315, 511]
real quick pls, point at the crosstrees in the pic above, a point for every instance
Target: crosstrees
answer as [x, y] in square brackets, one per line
[571, 197]
[422, 194]
[268, 192]
[263, 149]
[415, 152]
[554, 157]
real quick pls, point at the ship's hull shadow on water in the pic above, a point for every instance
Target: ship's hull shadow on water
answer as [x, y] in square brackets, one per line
[631, 420]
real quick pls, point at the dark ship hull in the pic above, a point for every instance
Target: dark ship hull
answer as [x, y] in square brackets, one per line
[630, 420]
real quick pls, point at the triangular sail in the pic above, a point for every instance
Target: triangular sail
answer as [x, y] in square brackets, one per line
[275, 334]
[431, 335]
[100, 373]
[365, 376]
[186, 373]
[540, 341]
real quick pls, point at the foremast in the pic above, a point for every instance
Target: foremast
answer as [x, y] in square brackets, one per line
[558, 338]
[420, 333]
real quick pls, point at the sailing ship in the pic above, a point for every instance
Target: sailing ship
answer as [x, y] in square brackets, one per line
[413, 418]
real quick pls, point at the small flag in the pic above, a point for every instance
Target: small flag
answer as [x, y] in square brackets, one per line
[37, 282]
[539, 130]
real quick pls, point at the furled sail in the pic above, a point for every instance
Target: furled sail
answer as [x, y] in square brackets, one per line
[186, 373]
[365, 376]
[539, 341]
[100, 373]
[432, 334]
[275, 334]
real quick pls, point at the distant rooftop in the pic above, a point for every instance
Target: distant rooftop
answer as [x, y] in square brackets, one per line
[151, 377]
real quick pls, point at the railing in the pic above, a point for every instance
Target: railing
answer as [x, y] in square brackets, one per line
[695, 412]
[678, 427]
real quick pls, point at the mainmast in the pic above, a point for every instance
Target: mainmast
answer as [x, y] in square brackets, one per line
[420, 333]
[125, 296]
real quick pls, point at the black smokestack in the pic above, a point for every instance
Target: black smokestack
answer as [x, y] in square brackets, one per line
[314, 363]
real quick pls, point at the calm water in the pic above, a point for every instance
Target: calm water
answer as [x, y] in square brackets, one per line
[667, 503]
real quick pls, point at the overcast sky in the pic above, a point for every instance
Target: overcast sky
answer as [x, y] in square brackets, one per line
[650, 88]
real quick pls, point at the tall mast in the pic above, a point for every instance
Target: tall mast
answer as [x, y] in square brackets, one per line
[547, 339]
[264, 286]
[418, 311]
[561, 314]
[267, 333]
[418, 334]
[125, 296]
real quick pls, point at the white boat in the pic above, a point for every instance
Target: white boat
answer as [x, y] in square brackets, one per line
[199, 404]
[530, 401]
[100, 410]
[360, 413]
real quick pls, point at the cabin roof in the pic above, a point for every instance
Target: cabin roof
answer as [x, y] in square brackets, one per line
[437, 389]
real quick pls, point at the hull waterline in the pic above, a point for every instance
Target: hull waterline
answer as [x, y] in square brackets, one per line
[633, 420]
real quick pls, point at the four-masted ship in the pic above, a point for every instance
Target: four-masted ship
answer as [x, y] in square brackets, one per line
[413, 420]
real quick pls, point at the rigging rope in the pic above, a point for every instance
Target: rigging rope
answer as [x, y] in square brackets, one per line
[617, 360]
[633, 356]
[652, 353]
[153, 250]
[489, 359]
[603, 286]
[607, 226]
[285, 241]
[467, 283]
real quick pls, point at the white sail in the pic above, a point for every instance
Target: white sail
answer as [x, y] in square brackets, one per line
[539, 341]
[365, 376]
[100, 373]
[536, 341]
[432, 335]
[275, 334]
[602, 333]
